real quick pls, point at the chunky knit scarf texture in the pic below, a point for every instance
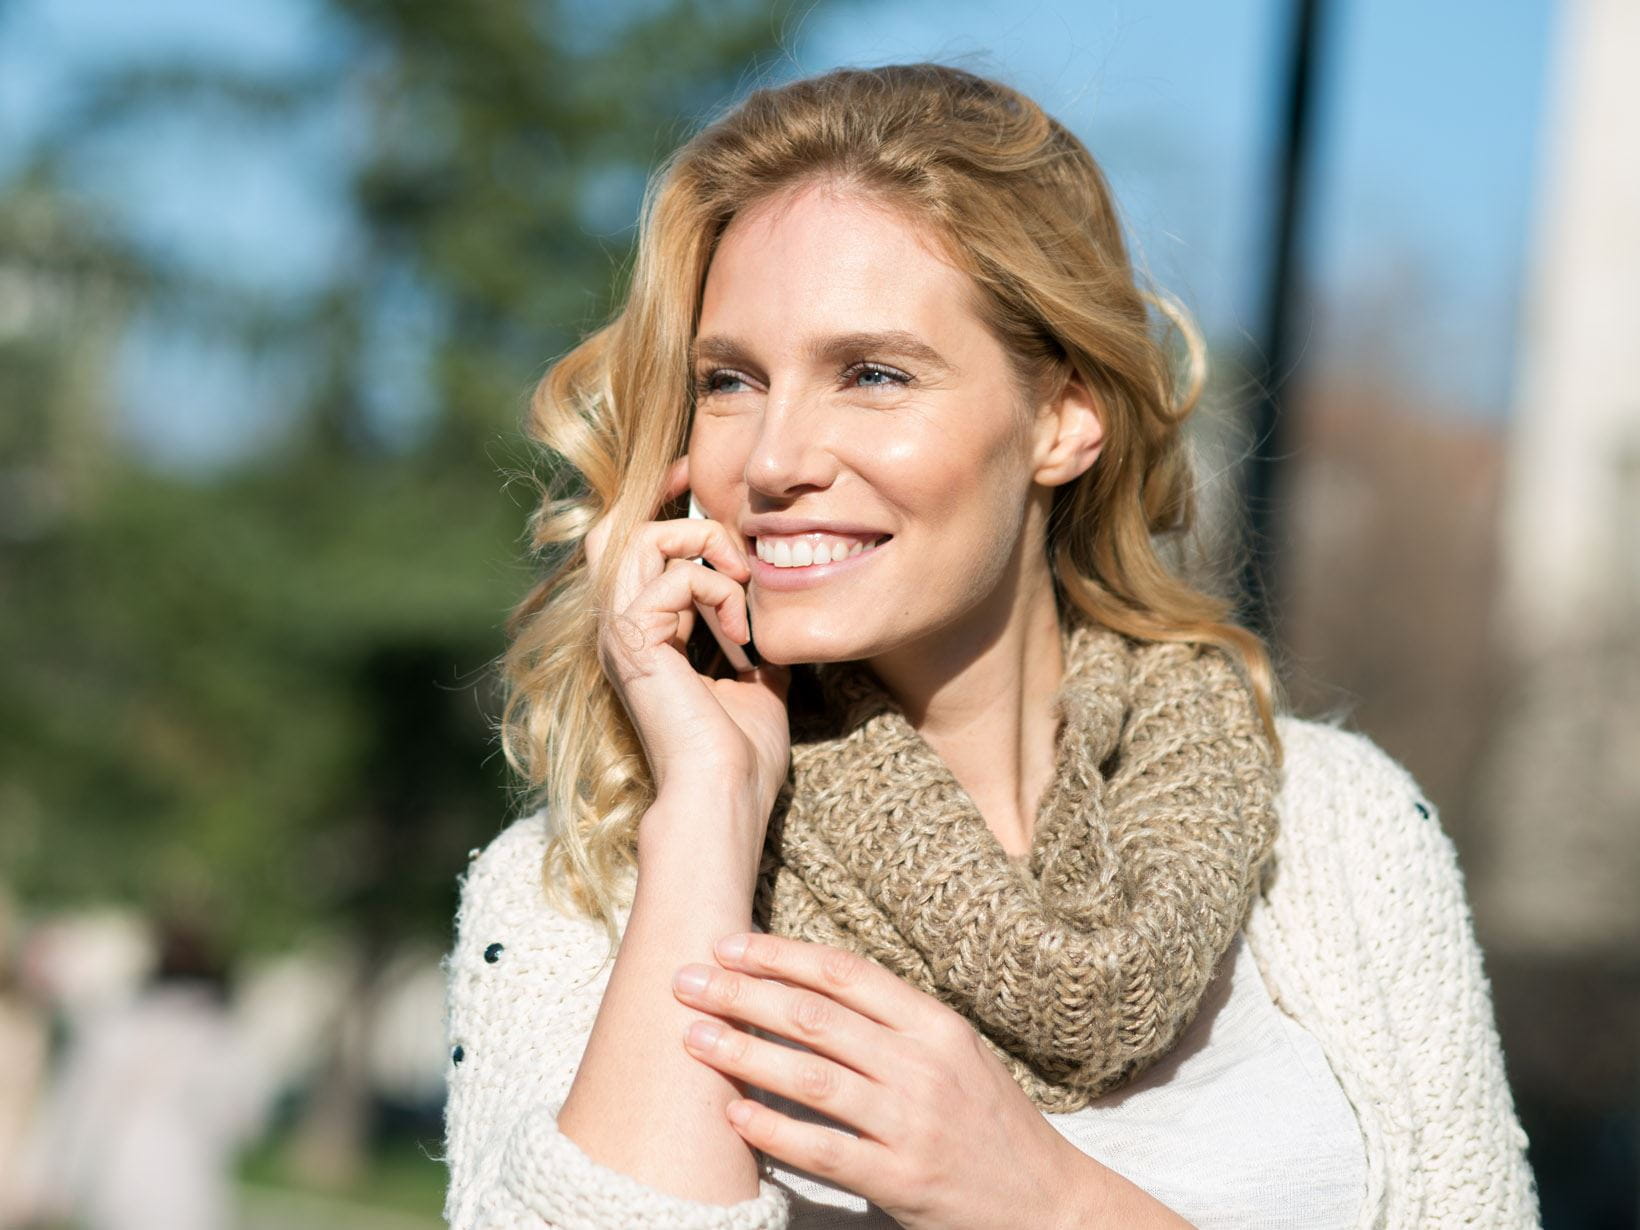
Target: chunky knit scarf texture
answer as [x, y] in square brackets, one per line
[1082, 962]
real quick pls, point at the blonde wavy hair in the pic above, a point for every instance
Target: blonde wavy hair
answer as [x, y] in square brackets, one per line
[1020, 204]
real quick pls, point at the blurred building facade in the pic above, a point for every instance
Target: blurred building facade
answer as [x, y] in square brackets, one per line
[1556, 882]
[1562, 790]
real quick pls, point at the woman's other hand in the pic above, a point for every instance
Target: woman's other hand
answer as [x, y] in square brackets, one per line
[698, 733]
[946, 1137]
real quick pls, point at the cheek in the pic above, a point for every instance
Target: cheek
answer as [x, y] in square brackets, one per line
[716, 461]
[950, 479]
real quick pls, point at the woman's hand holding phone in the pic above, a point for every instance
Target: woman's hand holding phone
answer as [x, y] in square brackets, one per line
[699, 734]
[742, 657]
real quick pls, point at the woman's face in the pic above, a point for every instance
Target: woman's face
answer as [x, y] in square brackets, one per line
[847, 395]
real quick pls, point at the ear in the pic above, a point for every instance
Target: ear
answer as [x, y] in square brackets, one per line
[674, 486]
[676, 480]
[1070, 432]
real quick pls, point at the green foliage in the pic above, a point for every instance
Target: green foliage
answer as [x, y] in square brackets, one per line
[265, 692]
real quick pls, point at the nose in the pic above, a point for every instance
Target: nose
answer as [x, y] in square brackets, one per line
[791, 453]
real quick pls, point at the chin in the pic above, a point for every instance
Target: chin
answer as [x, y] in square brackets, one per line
[792, 653]
[789, 642]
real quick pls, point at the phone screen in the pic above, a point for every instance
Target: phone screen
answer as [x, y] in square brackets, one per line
[741, 657]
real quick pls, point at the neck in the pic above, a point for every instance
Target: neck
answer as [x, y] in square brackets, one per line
[980, 693]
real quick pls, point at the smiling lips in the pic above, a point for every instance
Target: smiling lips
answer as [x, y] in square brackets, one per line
[808, 550]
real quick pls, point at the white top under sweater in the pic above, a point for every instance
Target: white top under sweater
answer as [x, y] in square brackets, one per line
[1344, 1069]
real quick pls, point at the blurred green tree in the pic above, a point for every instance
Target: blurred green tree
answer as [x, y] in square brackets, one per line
[264, 689]
[263, 692]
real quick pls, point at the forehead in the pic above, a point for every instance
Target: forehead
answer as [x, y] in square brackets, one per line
[831, 260]
[826, 205]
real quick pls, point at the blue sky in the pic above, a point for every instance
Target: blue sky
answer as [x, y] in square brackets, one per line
[1428, 147]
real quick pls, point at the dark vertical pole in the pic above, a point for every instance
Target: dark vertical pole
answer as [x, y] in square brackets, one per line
[1270, 415]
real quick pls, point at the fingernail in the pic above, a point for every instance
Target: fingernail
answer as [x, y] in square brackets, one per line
[691, 979]
[732, 947]
[703, 1034]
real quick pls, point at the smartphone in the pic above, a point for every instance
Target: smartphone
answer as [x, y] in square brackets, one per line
[741, 657]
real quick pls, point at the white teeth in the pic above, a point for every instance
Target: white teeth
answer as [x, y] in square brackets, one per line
[803, 553]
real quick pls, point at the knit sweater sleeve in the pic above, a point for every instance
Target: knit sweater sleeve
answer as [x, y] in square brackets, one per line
[1396, 977]
[523, 985]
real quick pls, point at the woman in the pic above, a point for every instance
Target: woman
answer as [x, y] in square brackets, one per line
[1011, 897]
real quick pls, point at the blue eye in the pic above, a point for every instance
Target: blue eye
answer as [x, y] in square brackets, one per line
[706, 384]
[872, 369]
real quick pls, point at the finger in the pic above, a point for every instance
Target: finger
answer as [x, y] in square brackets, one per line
[665, 602]
[673, 484]
[853, 1163]
[684, 538]
[686, 617]
[693, 537]
[847, 977]
[807, 1079]
[816, 1021]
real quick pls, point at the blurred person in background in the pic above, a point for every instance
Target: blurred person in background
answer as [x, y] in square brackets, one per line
[154, 1099]
[25, 1041]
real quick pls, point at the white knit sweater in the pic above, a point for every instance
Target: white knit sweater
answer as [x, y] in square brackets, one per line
[1362, 934]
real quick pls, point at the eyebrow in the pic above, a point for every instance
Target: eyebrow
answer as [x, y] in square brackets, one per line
[894, 341]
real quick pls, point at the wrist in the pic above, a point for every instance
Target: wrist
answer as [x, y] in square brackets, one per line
[704, 836]
[731, 793]
[1105, 1198]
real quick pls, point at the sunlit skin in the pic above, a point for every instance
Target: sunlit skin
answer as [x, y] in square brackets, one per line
[932, 439]
[956, 612]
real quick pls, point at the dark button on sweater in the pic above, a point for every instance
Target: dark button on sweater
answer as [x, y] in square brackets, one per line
[492, 954]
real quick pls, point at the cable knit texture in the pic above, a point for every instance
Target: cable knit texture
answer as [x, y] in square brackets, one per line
[1360, 930]
[1082, 963]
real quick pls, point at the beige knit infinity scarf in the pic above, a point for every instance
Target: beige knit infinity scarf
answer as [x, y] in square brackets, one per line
[1082, 962]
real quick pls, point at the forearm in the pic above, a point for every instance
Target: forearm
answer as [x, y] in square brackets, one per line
[640, 1103]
